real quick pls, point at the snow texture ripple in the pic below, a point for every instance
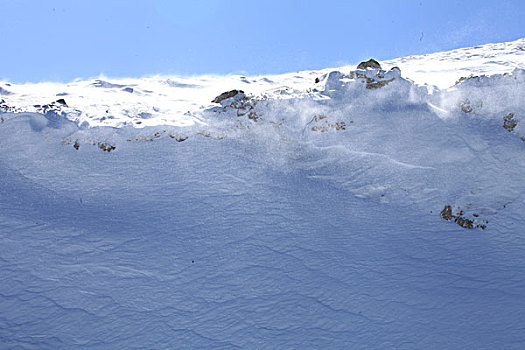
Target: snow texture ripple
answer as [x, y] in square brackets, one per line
[308, 211]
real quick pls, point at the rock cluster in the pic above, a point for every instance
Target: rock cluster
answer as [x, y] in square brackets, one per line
[371, 63]
[55, 106]
[238, 94]
[509, 122]
[371, 73]
[5, 108]
[448, 215]
[322, 123]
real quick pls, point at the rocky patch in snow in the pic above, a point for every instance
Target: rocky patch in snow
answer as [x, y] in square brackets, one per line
[5, 108]
[458, 216]
[371, 130]
[106, 147]
[371, 63]
[322, 123]
[229, 97]
[509, 122]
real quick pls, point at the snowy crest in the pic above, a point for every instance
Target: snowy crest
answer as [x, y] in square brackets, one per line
[370, 131]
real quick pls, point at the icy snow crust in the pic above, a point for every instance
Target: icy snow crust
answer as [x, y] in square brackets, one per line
[302, 213]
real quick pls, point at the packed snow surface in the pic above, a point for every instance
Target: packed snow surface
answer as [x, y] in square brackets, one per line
[342, 208]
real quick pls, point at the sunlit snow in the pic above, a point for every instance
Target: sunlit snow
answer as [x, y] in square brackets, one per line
[340, 208]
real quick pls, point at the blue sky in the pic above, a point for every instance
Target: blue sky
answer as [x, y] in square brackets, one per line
[62, 40]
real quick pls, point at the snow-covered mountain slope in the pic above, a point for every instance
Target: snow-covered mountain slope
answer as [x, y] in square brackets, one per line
[330, 123]
[177, 100]
[445, 68]
[349, 208]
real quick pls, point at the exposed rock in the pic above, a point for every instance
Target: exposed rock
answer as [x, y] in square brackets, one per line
[61, 102]
[319, 128]
[470, 77]
[466, 106]
[5, 108]
[340, 126]
[371, 63]
[55, 106]
[376, 79]
[448, 215]
[105, 147]
[253, 116]
[321, 123]
[374, 84]
[226, 95]
[178, 137]
[128, 89]
[465, 223]
[509, 123]
[240, 106]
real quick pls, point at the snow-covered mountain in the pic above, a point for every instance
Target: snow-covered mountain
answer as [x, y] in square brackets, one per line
[177, 100]
[377, 206]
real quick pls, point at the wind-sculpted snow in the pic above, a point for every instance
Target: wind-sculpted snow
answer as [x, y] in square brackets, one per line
[324, 209]
[372, 132]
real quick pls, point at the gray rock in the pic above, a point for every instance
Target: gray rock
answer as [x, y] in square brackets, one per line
[227, 95]
[371, 63]
[509, 123]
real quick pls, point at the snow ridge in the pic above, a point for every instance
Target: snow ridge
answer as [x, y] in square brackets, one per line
[371, 131]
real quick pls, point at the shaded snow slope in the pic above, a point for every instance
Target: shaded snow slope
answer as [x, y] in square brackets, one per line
[199, 245]
[325, 209]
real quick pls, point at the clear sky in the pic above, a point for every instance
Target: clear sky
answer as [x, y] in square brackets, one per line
[61, 40]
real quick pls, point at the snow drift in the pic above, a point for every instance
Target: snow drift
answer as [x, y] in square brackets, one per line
[339, 208]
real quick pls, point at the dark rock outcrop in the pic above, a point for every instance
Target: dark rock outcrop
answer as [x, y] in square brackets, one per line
[376, 79]
[226, 95]
[5, 108]
[55, 106]
[106, 147]
[371, 63]
[61, 102]
[448, 215]
[509, 123]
